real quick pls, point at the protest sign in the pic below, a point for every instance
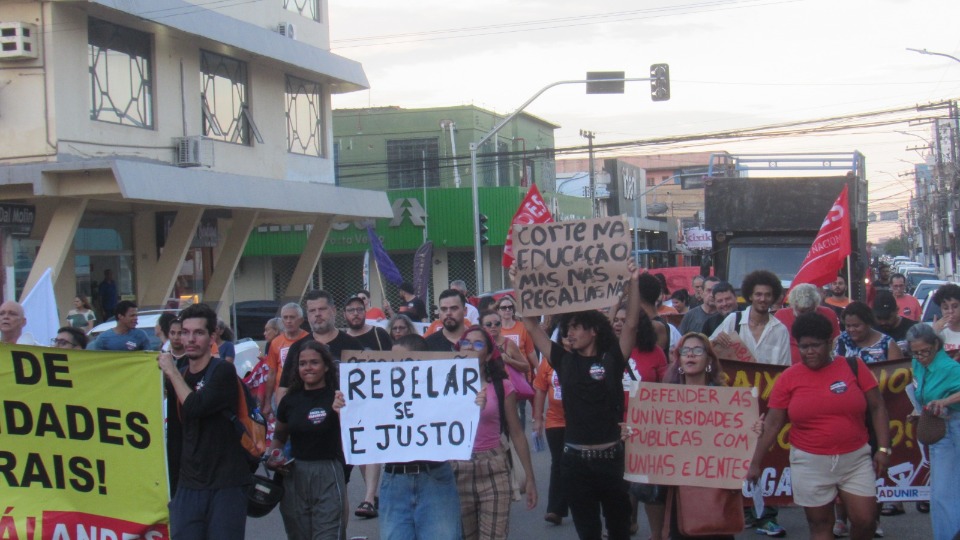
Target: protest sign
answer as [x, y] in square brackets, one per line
[690, 435]
[736, 350]
[908, 476]
[571, 265]
[408, 406]
[83, 448]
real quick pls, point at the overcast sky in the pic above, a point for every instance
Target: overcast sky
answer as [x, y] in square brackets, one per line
[734, 64]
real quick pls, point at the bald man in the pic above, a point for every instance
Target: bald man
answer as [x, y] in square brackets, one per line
[12, 321]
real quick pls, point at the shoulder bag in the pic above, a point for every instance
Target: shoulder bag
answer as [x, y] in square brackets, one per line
[703, 511]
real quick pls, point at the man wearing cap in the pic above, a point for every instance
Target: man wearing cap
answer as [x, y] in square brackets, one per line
[887, 314]
[907, 304]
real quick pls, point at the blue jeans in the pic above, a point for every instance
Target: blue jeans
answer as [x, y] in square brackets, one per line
[944, 479]
[421, 506]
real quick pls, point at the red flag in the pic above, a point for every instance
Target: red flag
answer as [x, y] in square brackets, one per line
[532, 210]
[826, 255]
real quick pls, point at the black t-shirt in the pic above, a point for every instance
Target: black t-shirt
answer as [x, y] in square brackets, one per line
[592, 388]
[712, 323]
[211, 456]
[377, 339]
[415, 309]
[313, 426]
[337, 345]
[899, 333]
[437, 342]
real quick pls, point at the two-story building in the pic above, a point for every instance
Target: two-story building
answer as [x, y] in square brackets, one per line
[149, 139]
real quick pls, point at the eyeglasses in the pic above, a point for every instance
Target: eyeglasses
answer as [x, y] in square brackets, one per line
[63, 343]
[506, 308]
[478, 345]
[396, 329]
[811, 346]
[492, 324]
[922, 354]
[354, 310]
[695, 351]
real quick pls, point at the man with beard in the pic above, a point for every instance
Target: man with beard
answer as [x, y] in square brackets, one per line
[694, 320]
[373, 338]
[211, 496]
[838, 299]
[882, 283]
[452, 311]
[887, 314]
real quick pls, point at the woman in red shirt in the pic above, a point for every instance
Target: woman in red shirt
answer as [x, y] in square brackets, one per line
[827, 402]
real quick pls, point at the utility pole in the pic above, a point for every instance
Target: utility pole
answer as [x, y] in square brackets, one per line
[589, 135]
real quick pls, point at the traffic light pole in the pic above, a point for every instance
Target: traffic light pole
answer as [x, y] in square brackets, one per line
[477, 246]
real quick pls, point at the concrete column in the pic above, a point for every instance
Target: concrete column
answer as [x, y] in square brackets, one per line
[308, 259]
[174, 250]
[144, 250]
[57, 241]
[226, 264]
[65, 284]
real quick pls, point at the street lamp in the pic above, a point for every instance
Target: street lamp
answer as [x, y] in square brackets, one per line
[660, 91]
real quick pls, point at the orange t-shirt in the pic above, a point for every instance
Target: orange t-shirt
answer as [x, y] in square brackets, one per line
[438, 324]
[278, 352]
[519, 336]
[375, 314]
[547, 381]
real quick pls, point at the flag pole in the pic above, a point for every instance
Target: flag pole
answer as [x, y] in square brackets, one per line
[849, 282]
[383, 292]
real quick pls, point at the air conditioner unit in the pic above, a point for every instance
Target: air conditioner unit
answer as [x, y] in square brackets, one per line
[192, 152]
[287, 29]
[18, 41]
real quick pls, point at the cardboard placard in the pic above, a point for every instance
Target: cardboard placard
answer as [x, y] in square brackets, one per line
[690, 435]
[401, 407]
[571, 265]
[736, 351]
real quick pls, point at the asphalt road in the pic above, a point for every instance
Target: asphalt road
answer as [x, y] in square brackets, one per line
[530, 525]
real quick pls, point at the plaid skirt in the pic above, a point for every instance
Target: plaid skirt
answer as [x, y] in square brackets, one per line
[484, 487]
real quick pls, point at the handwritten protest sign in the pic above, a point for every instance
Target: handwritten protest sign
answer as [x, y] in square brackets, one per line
[736, 350]
[690, 435]
[907, 477]
[571, 265]
[82, 444]
[408, 406]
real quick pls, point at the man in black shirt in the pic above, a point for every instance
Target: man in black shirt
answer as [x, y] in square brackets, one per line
[372, 337]
[888, 318]
[413, 307]
[591, 378]
[211, 497]
[725, 299]
[452, 311]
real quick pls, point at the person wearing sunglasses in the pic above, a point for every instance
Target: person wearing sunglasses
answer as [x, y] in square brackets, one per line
[492, 323]
[483, 482]
[510, 329]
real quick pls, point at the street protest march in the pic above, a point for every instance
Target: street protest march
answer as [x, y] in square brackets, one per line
[571, 265]
[690, 435]
[908, 476]
[408, 406]
[83, 451]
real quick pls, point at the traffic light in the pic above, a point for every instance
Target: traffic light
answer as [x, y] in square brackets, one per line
[660, 82]
[482, 227]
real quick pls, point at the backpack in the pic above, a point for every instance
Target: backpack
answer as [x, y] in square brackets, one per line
[245, 417]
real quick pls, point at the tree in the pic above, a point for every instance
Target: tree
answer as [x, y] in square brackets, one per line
[897, 246]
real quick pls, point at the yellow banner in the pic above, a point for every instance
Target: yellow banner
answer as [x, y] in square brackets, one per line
[81, 445]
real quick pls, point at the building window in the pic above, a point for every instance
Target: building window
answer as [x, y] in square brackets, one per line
[223, 100]
[120, 79]
[411, 162]
[307, 8]
[304, 117]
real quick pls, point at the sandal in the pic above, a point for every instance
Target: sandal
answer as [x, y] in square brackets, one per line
[891, 509]
[366, 510]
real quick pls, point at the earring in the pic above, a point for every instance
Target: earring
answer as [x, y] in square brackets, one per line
[680, 370]
[709, 368]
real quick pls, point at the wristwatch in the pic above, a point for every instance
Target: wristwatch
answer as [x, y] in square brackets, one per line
[885, 450]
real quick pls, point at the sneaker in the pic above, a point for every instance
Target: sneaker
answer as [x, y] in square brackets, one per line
[840, 529]
[879, 532]
[771, 529]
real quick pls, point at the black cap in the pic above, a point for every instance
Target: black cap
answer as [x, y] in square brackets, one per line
[407, 287]
[884, 304]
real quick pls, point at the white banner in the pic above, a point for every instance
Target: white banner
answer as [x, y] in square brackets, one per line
[697, 239]
[399, 411]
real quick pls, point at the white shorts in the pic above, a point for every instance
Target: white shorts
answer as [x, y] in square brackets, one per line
[817, 478]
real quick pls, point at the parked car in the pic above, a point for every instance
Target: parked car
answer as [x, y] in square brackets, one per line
[925, 287]
[916, 275]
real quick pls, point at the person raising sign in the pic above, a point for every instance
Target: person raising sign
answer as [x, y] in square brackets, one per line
[590, 377]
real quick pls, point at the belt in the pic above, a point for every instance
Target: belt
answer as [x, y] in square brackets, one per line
[413, 467]
[612, 452]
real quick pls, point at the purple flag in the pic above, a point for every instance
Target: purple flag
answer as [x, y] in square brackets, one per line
[384, 264]
[422, 268]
